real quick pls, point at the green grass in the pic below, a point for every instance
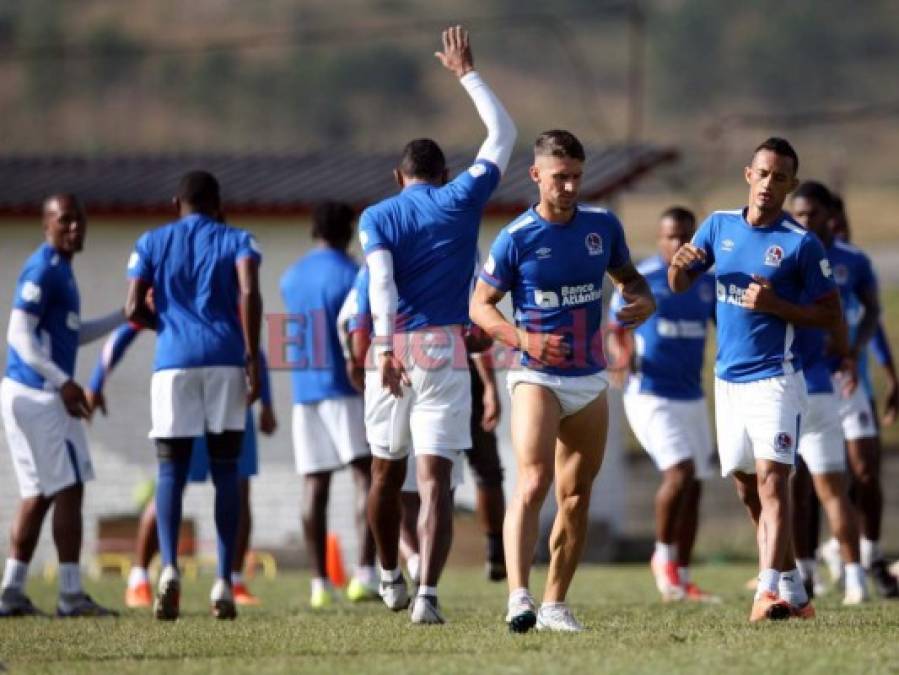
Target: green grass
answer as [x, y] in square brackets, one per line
[629, 630]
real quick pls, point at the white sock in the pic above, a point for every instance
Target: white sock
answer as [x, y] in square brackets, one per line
[870, 552]
[389, 576]
[806, 567]
[790, 588]
[365, 574]
[413, 564]
[427, 590]
[768, 581]
[14, 574]
[138, 576]
[70, 578]
[666, 553]
[855, 577]
[236, 578]
[319, 584]
[221, 590]
[683, 573]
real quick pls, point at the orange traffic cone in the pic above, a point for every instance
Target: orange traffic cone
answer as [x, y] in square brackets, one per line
[334, 561]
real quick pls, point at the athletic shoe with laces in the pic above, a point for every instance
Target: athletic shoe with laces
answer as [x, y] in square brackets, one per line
[395, 594]
[885, 583]
[166, 607]
[767, 606]
[856, 596]
[522, 613]
[221, 601]
[75, 605]
[14, 603]
[806, 611]
[694, 593]
[321, 598]
[667, 580]
[426, 610]
[557, 618]
[242, 595]
[139, 596]
[359, 591]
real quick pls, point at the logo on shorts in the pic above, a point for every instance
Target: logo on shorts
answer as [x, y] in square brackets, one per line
[841, 274]
[727, 245]
[546, 299]
[783, 441]
[774, 256]
[594, 244]
[544, 253]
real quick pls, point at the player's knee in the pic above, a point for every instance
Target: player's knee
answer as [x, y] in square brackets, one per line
[534, 484]
[575, 504]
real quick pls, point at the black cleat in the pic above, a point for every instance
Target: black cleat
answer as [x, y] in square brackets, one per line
[885, 583]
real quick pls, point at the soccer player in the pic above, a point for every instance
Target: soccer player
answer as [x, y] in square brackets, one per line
[206, 370]
[139, 592]
[43, 407]
[821, 444]
[553, 259]
[665, 406]
[765, 264]
[328, 427]
[420, 246]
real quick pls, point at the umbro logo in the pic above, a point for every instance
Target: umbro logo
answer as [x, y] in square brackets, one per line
[727, 245]
[544, 252]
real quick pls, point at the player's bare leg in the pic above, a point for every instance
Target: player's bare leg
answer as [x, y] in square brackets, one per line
[435, 531]
[802, 487]
[411, 504]
[364, 584]
[316, 490]
[670, 506]
[24, 535]
[831, 489]
[384, 514]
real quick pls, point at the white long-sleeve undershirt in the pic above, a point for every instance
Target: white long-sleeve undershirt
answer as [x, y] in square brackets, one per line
[382, 294]
[501, 130]
[97, 328]
[22, 336]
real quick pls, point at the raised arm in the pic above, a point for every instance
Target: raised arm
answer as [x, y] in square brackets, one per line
[501, 132]
[686, 267]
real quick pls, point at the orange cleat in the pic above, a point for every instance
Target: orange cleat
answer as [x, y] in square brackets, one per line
[139, 596]
[768, 606]
[667, 580]
[695, 594]
[807, 611]
[242, 595]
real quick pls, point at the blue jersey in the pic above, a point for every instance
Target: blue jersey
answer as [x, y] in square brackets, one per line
[191, 265]
[360, 318]
[670, 345]
[810, 346]
[432, 234]
[756, 345]
[854, 276]
[313, 289]
[555, 274]
[46, 289]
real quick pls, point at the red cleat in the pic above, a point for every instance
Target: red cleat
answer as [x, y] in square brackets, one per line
[695, 594]
[807, 611]
[139, 596]
[769, 607]
[242, 595]
[667, 580]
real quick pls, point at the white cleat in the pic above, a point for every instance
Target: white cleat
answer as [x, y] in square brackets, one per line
[395, 594]
[558, 618]
[856, 596]
[426, 610]
[522, 613]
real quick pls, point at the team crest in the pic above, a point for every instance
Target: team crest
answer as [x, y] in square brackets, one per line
[774, 256]
[841, 274]
[594, 244]
[783, 441]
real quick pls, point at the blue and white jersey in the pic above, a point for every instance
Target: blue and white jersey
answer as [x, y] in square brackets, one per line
[555, 274]
[46, 289]
[432, 234]
[191, 265]
[670, 345]
[360, 317]
[756, 345]
[854, 276]
[314, 289]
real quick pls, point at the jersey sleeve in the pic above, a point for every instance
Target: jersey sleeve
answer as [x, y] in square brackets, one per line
[360, 315]
[473, 187]
[620, 255]
[248, 247]
[371, 233]
[500, 268]
[814, 268]
[33, 289]
[705, 239]
[140, 264]
[865, 277]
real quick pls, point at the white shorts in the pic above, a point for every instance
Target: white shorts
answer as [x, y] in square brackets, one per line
[434, 414]
[855, 412]
[672, 431]
[821, 439]
[574, 392]
[411, 482]
[189, 402]
[758, 420]
[48, 446]
[328, 434]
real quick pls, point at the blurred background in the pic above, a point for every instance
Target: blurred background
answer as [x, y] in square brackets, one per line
[291, 102]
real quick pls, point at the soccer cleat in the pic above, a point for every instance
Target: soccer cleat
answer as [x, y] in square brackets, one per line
[426, 610]
[14, 603]
[358, 591]
[139, 596]
[807, 611]
[496, 571]
[884, 582]
[395, 594]
[667, 580]
[242, 595]
[221, 601]
[694, 593]
[76, 605]
[830, 554]
[168, 595]
[522, 613]
[321, 598]
[856, 596]
[768, 606]
[557, 618]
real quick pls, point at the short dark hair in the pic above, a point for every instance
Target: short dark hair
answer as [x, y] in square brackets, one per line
[838, 204]
[559, 143]
[679, 214]
[333, 222]
[779, 146]
[200, 190]
[816, 191]
[423, 159]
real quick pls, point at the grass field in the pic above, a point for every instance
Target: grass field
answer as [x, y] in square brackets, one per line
[629, 631]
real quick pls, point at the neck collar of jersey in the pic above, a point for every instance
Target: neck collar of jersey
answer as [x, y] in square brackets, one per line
[540, 218]
[771, 225]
